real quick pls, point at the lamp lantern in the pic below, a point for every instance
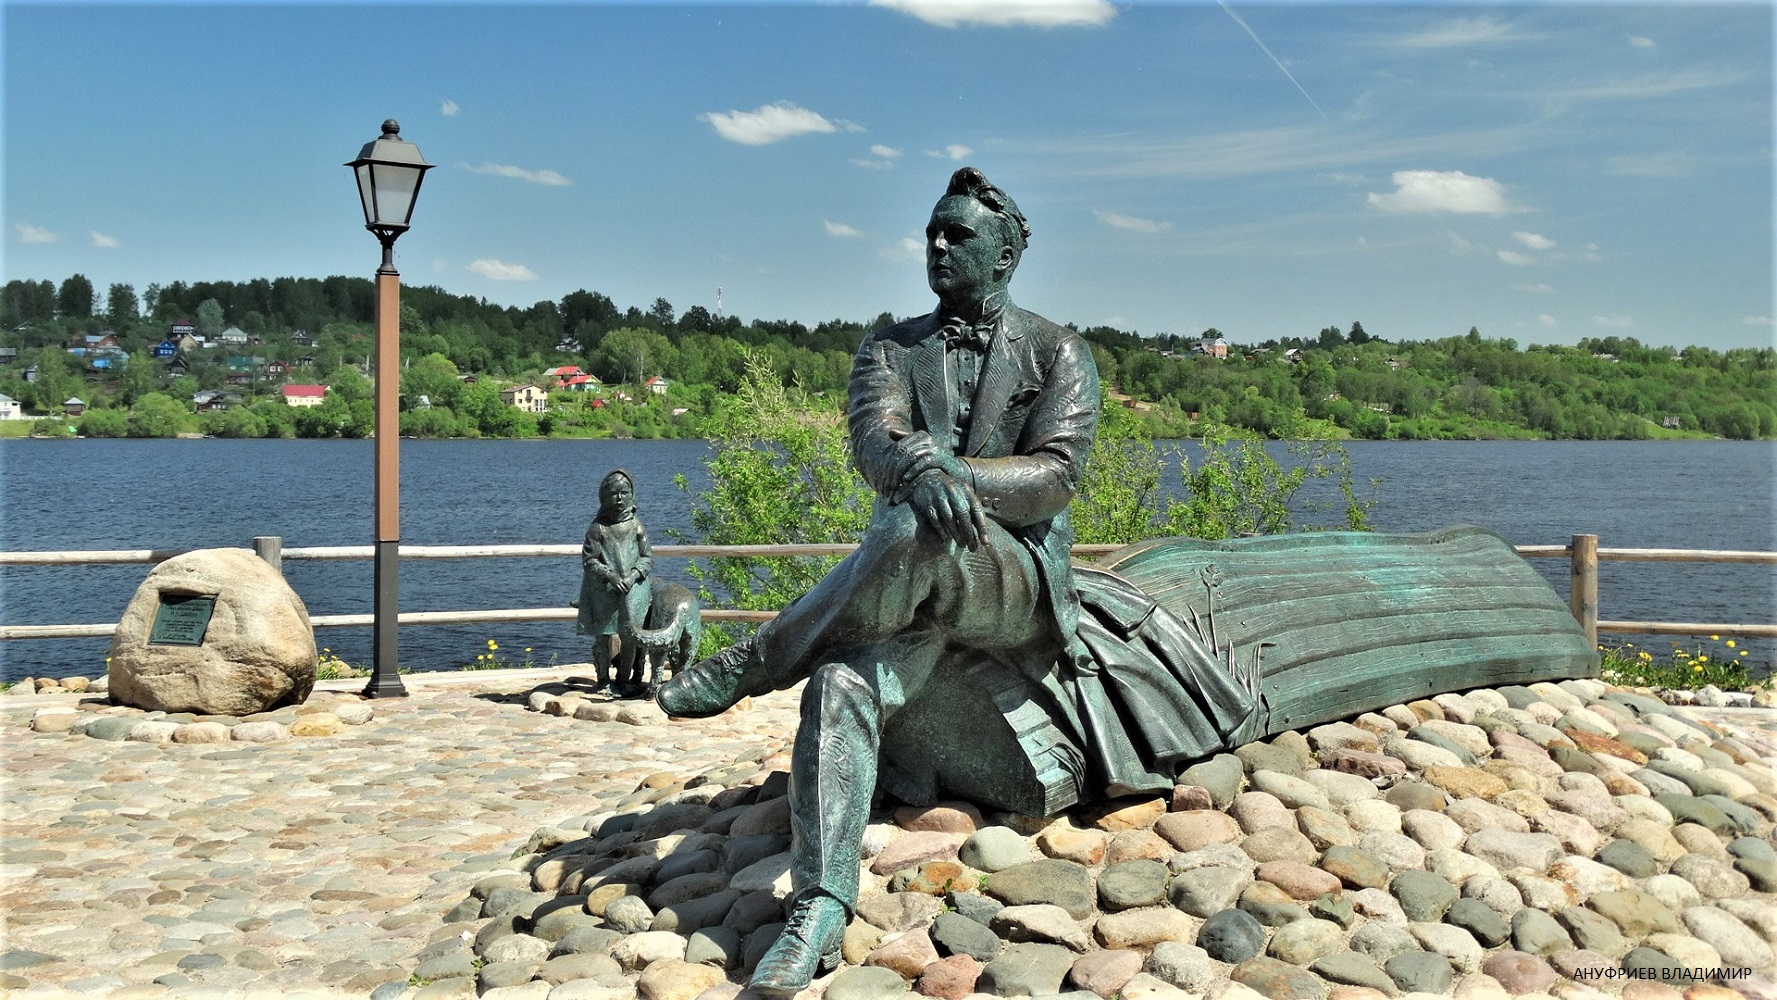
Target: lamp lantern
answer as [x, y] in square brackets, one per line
[389, 171]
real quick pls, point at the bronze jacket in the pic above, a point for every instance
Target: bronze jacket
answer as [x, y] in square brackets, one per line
[1034, 416]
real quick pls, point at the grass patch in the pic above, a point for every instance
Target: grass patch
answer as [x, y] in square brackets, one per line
[15, 428]
[1716, 662]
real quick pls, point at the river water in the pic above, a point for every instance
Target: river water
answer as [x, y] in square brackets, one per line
[180, 494]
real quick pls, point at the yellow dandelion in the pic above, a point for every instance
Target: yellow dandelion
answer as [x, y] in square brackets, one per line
[527, 649]
[1729, 644]
[1698, 668]
[1715, 638]
[491, 644]
[1703, 659]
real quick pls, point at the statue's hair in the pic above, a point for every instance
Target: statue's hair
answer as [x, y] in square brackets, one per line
[970, 182]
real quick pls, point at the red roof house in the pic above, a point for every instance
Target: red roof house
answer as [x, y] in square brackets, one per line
[304, 395]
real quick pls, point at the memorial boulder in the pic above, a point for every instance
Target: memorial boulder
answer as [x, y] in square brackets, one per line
[215, 631]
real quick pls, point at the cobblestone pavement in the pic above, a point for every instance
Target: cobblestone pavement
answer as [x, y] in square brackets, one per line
[315, 867]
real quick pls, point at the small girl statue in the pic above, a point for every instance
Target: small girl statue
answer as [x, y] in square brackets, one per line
[614, 589]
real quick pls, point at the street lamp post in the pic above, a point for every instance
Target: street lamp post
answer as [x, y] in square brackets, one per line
[389, 170]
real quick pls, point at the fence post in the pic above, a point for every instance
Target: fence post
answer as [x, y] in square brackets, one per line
[1583, 594]
[271, 549]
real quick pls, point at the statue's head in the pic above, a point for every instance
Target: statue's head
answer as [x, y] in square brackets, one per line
[617, 493]
[974, 240]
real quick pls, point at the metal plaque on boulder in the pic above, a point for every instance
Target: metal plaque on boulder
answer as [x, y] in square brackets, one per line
[182, 619]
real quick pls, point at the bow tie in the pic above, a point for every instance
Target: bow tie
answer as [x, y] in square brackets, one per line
[977, 336]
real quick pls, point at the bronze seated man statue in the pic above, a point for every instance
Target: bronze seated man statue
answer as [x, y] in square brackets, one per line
[972, 424]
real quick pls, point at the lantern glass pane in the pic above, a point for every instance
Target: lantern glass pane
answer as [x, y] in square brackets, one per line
[366, 193]
[395, 189]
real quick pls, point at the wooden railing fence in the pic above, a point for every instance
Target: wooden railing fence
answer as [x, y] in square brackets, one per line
[1582, 552]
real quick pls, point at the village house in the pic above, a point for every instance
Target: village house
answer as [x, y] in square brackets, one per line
[304, 395]
[234, 336]
[1396, 364]
[1293, 355]
[1217, 348]
[182, 328]
[657, 385]
[10, 408]
[582, 383]
[306, 361]
[74, 406]
[560, 374]
[9, 355]
[302, 338]
[276, 370]
[168, 348]
[178, 365]
[214, 399]
[95, 341]
[529, 398]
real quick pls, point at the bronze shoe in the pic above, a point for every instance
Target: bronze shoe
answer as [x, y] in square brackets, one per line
[807, 947]
[715, 685]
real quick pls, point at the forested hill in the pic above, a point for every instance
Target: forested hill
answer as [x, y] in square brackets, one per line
[1333, 382]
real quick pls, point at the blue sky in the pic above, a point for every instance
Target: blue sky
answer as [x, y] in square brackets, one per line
[1544, 172]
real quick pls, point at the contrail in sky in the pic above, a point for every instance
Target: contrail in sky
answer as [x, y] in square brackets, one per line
[1286, 72]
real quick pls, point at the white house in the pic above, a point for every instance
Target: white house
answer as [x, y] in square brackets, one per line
[304, 395]
[529, 398]
[10, 408]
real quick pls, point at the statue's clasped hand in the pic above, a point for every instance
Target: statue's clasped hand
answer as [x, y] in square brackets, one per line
[940, 487]
[949, 507]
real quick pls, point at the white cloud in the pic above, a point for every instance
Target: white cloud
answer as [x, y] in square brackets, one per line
[494, 270]
[1515, 258]
[104, 242]
[1651, 86]
[881, 158]
[33, 234]
[1641, 41]
[954, 151]
[1533, 241]
[1338, 177]
[1459, 245]
[841, 229]
[1614, 322]
[548, 177]
[1671, 164]
[1133, 223]
[1005, 13]
[886, 152]
[1464, 31]
[870, 164]
[1538, 288]
[1424, 191]
[908, 249]
[1547, 320]
[1756, 320]
[450, 108]
[1249, 152]
[769, 123]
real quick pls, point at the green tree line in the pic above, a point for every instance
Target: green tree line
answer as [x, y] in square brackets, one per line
[1337, 383]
